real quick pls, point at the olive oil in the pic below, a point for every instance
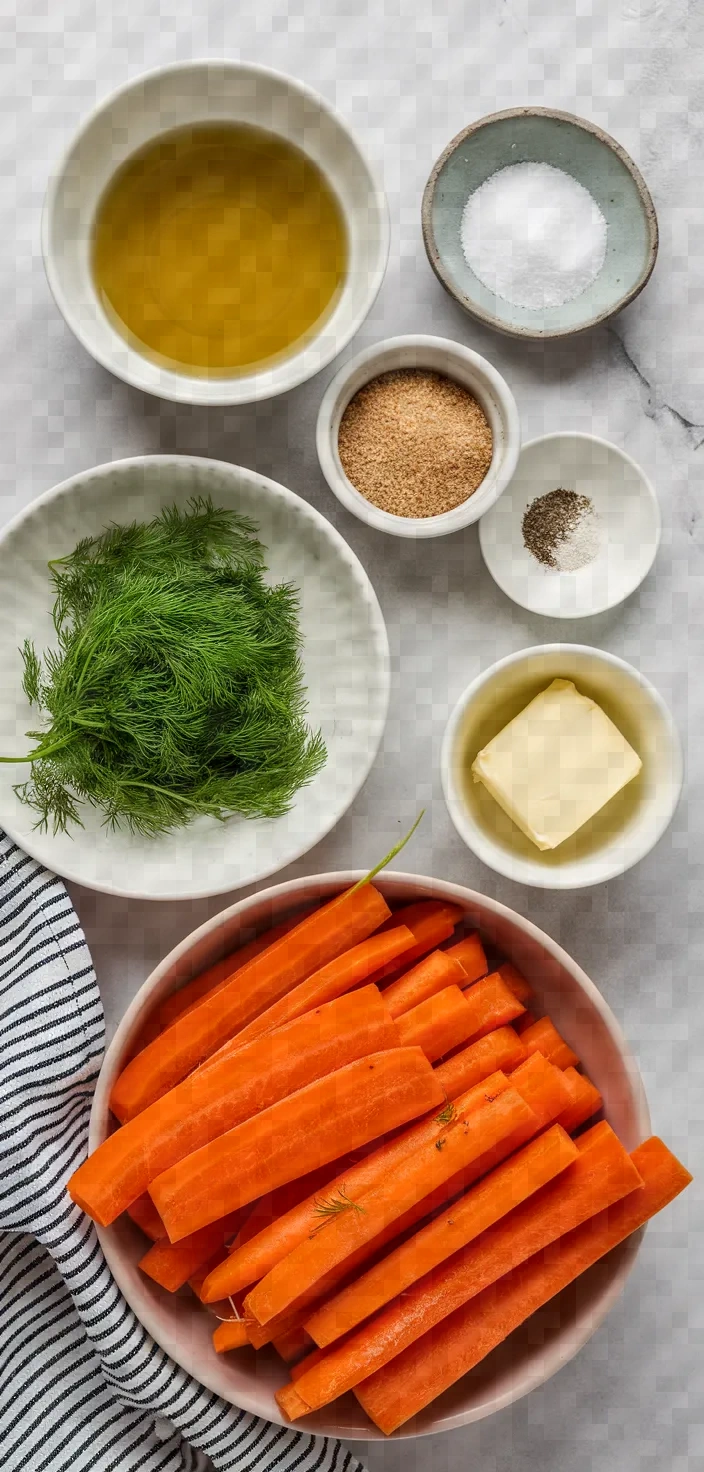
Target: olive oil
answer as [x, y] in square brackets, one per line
[218, 249]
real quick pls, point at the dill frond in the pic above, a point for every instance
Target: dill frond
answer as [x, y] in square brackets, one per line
[334, 1207]
[446, 1115]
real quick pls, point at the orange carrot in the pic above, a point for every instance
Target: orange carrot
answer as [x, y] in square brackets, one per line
[471, 956]
[420, 911]
[495, 1196]
[431, 975]
[145, 1216]
[232, 1334]
[429, 931]
[197, 1279]
[544, 1038]
[294, 1136]
[292, 1346]
[498, 1049]
[253, 1259]
[346, 1223]
[601, 1175]
[342, 923]
[438, 1024]
[219, 1097]
[339, 976]
[220, 972]
[493, 1004]
[275, 1204]
[434, 1362]
[515, 981]
[585, 1100]
[172, 1265]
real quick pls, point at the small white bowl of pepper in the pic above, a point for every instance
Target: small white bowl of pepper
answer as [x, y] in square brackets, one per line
[418, 436]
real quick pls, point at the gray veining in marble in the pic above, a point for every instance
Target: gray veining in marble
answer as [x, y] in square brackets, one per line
[408, 77]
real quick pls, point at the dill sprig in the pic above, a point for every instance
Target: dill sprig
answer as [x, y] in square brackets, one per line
[446, 1115]
[176, 688]
[333, 1207]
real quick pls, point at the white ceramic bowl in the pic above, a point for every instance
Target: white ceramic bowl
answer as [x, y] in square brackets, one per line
[629, 517]
[174, 97]
[532, 1354]
[626, 829]
[345, 661]
[442, 356]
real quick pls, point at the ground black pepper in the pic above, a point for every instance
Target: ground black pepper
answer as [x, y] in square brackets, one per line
[560, 529]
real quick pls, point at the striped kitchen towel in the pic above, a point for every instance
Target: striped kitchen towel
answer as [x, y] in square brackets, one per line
[82, 1385]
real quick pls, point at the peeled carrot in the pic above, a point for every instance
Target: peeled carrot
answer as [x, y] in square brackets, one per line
[429, 931]
[334, 980]
[219, 974]
[601, 1175]
[515, 981]
[353, 1221]
[292, 1346]
[232, 1334]
[495, 1196]
[431, 975]
[229, 1090]
[498, 1049]
[145, 1216]
[253, 1259]
[173, 1264]
[197, 1279]
[543, 1037]
[585, 1100]
[434, 1362]
[419, 911]
[354, 1105]
[471, 956]
[275, 1204]
[342, 923]
[438, 1024]
[493, 1004]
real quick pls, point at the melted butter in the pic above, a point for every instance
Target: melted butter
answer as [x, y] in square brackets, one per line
[218, 249]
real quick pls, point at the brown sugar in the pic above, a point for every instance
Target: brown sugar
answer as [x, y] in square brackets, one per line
[415, 443]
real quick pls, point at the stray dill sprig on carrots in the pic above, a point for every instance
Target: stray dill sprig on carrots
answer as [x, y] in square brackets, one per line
[176, 689]
[333, 1207]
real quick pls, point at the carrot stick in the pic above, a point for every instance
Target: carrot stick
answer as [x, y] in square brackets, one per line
[226, 1092]
[601, 1175]
[544, 1038]
[197, 1279]
[292, 1346]
[172, 1265]
[275, 1204]
[498, 1049]
[493, 1004]
[431, 975]
[471, 956]
[232, 1334]
[429, 931]
[495, 1196]
[515, 981]
[294, 1136]
[438, 1024]
[432, 1363]
[220, 972]
[254, 1259]
[145, 1216]
[331, 981]
[352, 1222]
[585, 1100]
[417, 913]
[342, 923]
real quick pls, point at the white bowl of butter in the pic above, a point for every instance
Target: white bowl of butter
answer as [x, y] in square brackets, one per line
[561, 766]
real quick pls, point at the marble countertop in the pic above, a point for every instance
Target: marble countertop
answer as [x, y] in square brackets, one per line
[407, 78]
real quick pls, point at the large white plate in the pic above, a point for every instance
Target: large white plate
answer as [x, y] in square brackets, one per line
[345, 657]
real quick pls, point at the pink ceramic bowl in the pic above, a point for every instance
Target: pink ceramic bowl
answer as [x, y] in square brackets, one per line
[183, 1328]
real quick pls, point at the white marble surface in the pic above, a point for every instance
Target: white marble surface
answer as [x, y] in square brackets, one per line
[408, 77]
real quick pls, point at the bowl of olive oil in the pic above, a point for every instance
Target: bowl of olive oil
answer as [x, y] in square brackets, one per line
[214, 234]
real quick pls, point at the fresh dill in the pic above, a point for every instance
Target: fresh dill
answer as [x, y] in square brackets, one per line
[176, 689]
[446, 1115]
[335, 1206]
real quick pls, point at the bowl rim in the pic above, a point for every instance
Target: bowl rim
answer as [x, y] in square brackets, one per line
[225, 397]
[26, 840]
[416, 527]
[650, 494]
[471, 835]
[479, 313]
[391, 881]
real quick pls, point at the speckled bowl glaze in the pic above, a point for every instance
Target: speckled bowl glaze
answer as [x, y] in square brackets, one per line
[595, 160]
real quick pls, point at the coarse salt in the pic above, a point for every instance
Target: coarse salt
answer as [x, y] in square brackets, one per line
[534, 235]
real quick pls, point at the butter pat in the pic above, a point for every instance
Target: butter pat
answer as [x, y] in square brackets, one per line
[556, 764]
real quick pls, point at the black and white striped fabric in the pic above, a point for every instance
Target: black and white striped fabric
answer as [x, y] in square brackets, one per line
[82, 1385]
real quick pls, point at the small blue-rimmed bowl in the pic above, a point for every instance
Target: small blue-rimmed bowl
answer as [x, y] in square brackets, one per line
[579, 148]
